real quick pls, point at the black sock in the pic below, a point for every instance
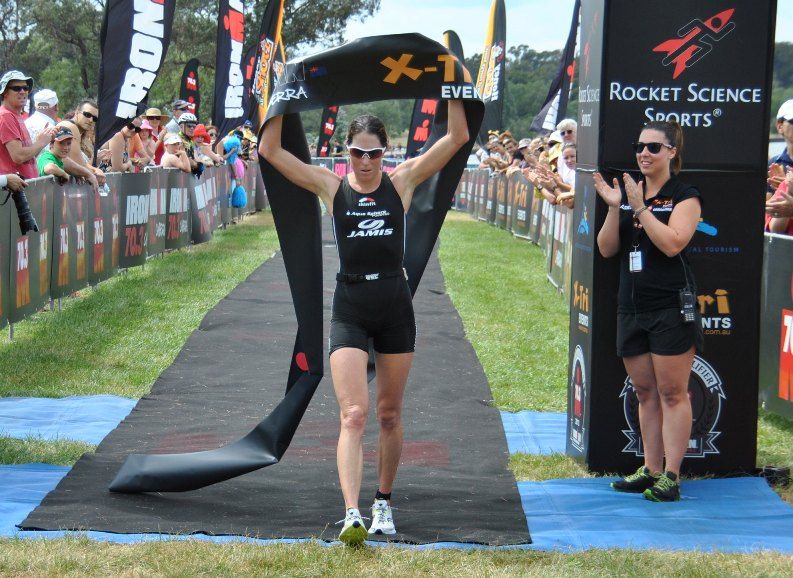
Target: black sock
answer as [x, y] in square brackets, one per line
[381, 496]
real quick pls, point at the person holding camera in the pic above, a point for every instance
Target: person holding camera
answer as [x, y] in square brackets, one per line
[18, 153]
[649, 225]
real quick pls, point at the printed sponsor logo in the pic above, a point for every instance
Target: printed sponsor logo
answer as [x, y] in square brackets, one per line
[288, 94]
[706, 394]
[715, 312]
[490, 90]
[366, 202]
[695, 40]
[137, 210]
[267, 53]
[459, 91]
[22, 272]
[234, 23]
[405, 67]
[579, 397]
[371, 228]
[581, 305]
[145, 56]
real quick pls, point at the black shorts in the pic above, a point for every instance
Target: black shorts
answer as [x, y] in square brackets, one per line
[381, 310]
[662, 332]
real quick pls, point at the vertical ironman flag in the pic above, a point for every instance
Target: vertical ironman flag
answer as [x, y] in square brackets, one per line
[424, 109]
[269, 43]
[134, 39]
[492, 70]
[228, 111]
[327, 126]
[189, 90]
[555, 106]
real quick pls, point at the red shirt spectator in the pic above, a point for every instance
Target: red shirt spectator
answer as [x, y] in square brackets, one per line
[12, 127]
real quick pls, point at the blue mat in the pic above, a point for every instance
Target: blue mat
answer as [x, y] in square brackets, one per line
[727, 515]
[732, 515]
[535, 432]
[87, 419]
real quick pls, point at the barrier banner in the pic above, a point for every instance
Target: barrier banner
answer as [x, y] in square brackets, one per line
[5, 252]
[327, 127]
[492, 75]
[523, 196]
[500, 216]
[29, 279]
[227, 111]
[485, 202]
[158, 212]
[261, 193]
[536, 215]
[491, 206]
[558, 228]
[177, 230]
[103, 236]
[133, 192]
[706, 65]
[223, 181]
[189, 90]
[776, 325]
[134, 40]
[69, 260]
[510, 186]
[202, 207]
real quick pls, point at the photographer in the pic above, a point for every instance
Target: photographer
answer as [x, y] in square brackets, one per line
[649, 225]
[17, 152]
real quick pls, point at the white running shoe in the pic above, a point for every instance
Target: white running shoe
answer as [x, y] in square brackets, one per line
[382, 519]
[353, 533]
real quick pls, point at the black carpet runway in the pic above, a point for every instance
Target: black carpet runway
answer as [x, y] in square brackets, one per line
[453, 484]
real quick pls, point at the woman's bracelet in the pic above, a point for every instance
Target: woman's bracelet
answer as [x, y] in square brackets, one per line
[639, 212]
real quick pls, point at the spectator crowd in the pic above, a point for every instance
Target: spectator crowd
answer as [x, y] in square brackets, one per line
[49, 141]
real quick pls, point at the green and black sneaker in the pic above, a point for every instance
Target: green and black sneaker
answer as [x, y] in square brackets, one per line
[637, 482]
[666, 489]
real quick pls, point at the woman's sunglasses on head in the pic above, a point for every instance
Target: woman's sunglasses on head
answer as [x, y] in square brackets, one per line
[653, 147]
[372, 154]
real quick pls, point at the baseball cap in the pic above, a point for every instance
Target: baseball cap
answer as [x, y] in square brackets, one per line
[786, 110]
[172, 138]
[556, 136]
[180, 105]
[524, 142]
[45, 98]
[62, 134]
[247, 124]
[14, 75]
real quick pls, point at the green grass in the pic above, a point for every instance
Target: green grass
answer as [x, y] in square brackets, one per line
[36, 450]
[118, 337]
[514, 318]
[519, 329]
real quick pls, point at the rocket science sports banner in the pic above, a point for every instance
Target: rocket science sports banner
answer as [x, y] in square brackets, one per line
[268, 50]
[327, 127]
[228, 110]
[424, 109]
[189, 89]
[134, 40]
[408, 66]
[492, 69]
[554, 108]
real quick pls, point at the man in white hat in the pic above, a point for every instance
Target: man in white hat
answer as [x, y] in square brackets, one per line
[45, 102]
[17, 151]
[781, 204]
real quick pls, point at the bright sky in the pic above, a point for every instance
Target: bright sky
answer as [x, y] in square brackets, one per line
[540, 24]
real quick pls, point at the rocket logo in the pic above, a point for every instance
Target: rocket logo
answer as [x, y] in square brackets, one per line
[695, 41]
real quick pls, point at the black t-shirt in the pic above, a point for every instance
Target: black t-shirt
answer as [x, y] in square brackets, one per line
[369, 229]
[657, 285]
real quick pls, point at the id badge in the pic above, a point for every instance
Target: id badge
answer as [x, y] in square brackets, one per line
[635, 261]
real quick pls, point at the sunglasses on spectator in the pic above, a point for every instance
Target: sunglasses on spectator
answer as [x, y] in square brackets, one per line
[155, 117]
[189, 124]
[372, 154]
[653, 147]
[93, 117]
[568, 131]
[131, 126]
[20, 88]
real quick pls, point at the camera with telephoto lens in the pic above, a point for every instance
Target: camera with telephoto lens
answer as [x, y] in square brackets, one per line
[27, 222]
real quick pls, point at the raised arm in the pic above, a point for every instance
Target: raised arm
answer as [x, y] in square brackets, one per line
[407, 176]
[318, 180]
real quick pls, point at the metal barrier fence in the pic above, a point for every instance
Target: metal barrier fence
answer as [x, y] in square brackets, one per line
[85, 238]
